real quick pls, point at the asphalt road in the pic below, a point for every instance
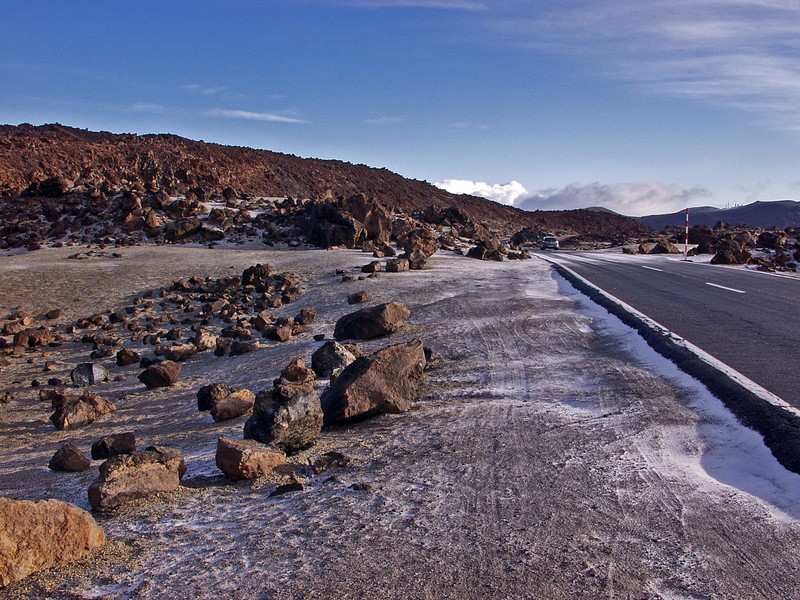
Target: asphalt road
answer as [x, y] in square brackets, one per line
[747, 319]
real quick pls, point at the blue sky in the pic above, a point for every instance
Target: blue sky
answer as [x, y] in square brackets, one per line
[643, 107]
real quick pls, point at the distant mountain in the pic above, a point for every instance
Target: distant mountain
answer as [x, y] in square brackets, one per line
[778, 213]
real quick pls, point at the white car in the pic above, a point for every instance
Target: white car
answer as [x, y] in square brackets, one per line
[549, 242]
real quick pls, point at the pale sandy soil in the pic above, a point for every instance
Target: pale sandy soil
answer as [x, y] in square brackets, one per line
[551, 455]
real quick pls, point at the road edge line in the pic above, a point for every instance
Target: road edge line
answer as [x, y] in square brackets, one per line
[755, 407]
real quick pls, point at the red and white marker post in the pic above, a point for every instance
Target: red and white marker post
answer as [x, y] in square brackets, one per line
[686, 242]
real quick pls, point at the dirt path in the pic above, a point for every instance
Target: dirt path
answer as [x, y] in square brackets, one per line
[549, 458]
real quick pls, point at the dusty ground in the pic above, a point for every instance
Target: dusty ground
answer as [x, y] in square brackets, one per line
[551, 456]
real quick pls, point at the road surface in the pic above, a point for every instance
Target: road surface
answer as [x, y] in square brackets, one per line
[747, 319]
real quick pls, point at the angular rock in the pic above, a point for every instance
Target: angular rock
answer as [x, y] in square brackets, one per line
[246, 459]
[89, 374]
[397, 265]
[163, 374]
[71, 412]
[130, 476]
[127, 357]
[114, 445]
[235, 404]
[373, 267]
[289, 416]
[208, 394]
[204, 340]
[332, 357]
[386, 382]
[306, 317]
[372, 322]
[358, 297]
[69, 458]
[180, 352]
[43, 534]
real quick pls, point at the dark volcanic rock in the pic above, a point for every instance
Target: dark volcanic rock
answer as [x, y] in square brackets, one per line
[113, 445]
[89, 374]
[126, 357]
[235, 404]
[130, 476]
[208, 394]
[246, 459]
[372, 322]
[289, 415]
[386, 382]
[71, 412]
[332, 357]
[163, 374]
[69, 458]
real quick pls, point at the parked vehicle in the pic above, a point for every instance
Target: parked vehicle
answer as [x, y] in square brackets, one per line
[549, 242]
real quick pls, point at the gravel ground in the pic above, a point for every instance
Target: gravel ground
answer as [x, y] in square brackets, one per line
[550, 456]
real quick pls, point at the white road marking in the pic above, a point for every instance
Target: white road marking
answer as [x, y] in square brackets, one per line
[722, 287]
[653, 269]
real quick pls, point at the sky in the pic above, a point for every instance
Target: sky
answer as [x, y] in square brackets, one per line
[640, 107]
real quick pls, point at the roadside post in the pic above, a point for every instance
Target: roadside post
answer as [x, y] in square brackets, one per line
[686, 240]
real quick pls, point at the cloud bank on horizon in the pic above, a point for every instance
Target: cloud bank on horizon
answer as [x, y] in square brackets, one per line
[632, 199]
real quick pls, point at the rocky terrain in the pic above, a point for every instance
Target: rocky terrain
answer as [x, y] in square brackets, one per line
[537, 453]
[64, 185]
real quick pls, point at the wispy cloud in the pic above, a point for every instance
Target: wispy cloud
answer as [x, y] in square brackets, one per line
[252, 116]
[208, 90]
[147, 107]
[384, 121]
[468, 5]
[635, 198]
[739, 53]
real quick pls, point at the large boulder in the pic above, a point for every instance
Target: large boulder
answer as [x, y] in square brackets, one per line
[664, 247]
[131, 476]
[69, 458]
[372, 322]
[163, 374]
[74, 411]
[772, 240]
[43, 534]
[386, 382]
[331, 358]
[288, 416]
[246, 459]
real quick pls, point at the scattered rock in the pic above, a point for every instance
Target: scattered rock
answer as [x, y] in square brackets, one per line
[69, 458]
[113, 445]
[288, 416]
[358, 297]
[208, 394]
[246, 459]
[386, 382]
[130, 476]
[71, 412]
[330, 460]
[180, 352]
[286, 488]
[89, 374]
[43, 534]
[163, 374]
[235, 404]
[332, 357]
[126, 357]
[397, 265]
[373, 267]
[372, 322]
[306, 317]
[204, 340]
[664, 247]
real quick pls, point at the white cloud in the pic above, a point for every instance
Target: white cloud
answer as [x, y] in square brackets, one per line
[633, 199]
[505, 193]
[252, 116]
